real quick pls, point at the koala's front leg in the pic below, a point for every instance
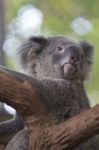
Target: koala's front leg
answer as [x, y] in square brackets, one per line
[9, 128]
[19, 142]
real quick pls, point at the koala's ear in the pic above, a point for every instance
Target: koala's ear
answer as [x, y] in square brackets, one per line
[87, 49]
[29, 50]
[38, 43]
[32, 45]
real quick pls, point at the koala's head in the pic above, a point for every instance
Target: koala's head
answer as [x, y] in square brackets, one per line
[56, 57]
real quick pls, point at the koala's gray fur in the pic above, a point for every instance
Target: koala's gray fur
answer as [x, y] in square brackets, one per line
[59, 66]
[19, 142]
[9, 128]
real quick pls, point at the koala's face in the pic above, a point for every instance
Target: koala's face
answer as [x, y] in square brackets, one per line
[57, 57]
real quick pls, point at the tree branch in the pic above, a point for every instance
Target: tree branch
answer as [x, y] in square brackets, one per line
[67, 135]
[20, 91]
[78, 129]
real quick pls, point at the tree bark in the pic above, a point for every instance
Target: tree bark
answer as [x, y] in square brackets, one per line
[67, 135]
[11, 83]
[44, 134]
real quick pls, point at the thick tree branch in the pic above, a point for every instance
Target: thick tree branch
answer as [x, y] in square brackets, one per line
[20, 91]
[67, 135]
[78, 129]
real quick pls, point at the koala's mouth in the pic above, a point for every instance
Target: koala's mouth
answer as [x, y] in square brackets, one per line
[69, 69]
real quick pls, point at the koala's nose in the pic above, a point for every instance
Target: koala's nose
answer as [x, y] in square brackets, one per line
[74, 60]
[74, 55]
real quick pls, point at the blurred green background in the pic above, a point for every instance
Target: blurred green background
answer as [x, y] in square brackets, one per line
[76, 19]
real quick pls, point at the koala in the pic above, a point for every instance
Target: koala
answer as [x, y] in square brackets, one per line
[59, 67]
[58, 59]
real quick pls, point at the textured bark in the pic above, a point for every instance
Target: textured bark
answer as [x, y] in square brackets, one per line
[43, 134]
[67, 135]
[25, 102]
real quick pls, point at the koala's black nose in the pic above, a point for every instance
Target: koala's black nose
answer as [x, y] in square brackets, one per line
[74, 55]
[74, 60]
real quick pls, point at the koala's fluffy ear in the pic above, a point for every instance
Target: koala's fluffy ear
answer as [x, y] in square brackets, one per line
[29, 50]
[38, 43]
[33, 44]
[87, 50]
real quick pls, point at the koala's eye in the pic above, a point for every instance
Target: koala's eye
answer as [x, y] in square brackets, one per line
[59, 48]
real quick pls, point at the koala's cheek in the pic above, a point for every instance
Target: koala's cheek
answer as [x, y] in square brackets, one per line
[69, 69]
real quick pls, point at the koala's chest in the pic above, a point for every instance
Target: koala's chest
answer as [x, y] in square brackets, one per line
[62, 101]
[65, 96]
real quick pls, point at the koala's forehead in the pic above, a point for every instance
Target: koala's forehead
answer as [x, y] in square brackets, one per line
[55, 41]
